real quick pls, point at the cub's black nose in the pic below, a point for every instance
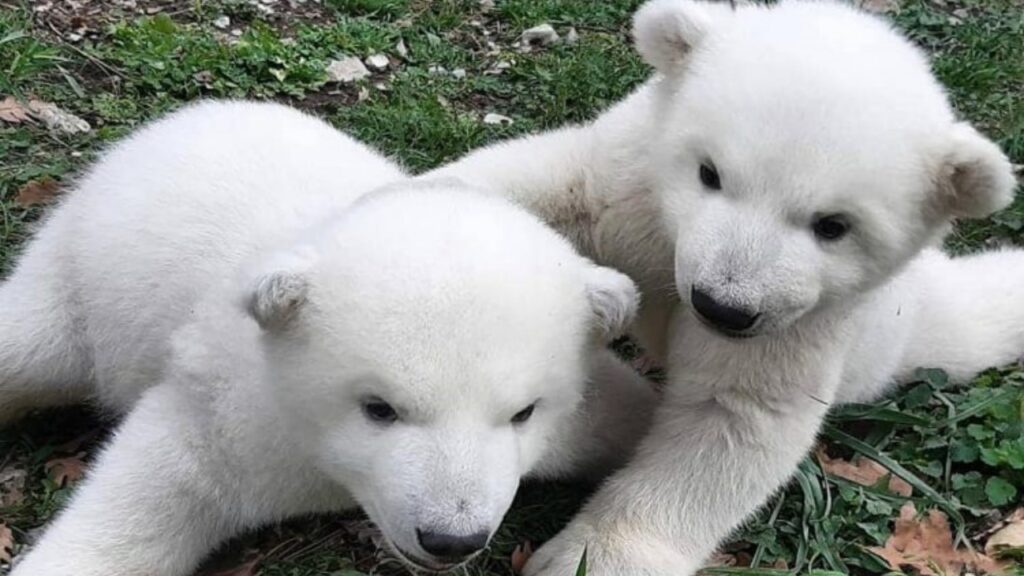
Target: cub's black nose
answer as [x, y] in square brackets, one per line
[719, 315]
[450, 547]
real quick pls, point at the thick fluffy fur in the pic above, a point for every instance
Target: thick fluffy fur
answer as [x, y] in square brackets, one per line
[224, 278]
[805, 110]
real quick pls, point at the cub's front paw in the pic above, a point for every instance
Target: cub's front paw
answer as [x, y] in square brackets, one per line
[608, 554]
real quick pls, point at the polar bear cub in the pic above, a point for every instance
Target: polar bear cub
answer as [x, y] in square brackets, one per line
[786, 171]
[285, 341]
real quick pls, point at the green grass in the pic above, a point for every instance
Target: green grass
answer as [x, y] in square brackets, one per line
[962, 449]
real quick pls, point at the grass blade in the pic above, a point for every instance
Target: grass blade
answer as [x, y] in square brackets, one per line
[581, 569]
[896, 468]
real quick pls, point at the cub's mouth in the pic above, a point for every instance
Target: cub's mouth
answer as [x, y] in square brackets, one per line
[423, 564]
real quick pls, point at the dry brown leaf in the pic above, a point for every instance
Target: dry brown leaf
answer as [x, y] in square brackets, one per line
[863, 471]
[1010, 537]
[56, 118]
[12, 112]
[925, 545]
[520, 555]
[6, 543]
[40, 191]
[67, 471]
[720, 559]
[12, 486]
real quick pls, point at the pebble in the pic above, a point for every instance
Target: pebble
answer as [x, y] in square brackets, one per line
[542, 35]
[378, 62]
[492, 118]
[346, 70]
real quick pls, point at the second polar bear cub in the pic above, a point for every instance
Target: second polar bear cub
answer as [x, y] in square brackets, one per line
[786, 170]
[286, 342]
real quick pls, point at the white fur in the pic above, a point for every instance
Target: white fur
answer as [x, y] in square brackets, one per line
[226, 279]
[806, 109]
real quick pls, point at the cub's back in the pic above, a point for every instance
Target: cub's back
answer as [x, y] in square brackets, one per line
[176, 209]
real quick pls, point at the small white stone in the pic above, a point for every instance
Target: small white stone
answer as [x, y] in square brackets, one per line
[542, 35]
[459, 73]
[437, 70]
[364, 93]
[402, 49]
[572, 36]
[378, 62]
[486, 5]
[346, 70]
[236, 32]
[222, 22]
[492, 118]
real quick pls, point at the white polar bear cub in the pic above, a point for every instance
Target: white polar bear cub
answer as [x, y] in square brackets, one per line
[285, 343]
[785, 171]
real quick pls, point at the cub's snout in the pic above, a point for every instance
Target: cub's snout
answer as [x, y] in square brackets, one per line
[725, 318]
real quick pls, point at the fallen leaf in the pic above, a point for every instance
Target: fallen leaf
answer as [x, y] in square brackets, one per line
[67, 471]
[56, 118]
[246, 569]
[863, 471]
[6, 543]
[925, 545]
[12, 486]
[520, 555]
[1008, 540]
[12, 112]
[40, 191]
[720, 559]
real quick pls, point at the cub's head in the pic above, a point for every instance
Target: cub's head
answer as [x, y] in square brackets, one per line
[804, 153]
[427, 342]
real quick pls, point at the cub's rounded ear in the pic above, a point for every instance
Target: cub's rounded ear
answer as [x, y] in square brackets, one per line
[975, 178]
[667, 31]
[276, 298]
[614, 300]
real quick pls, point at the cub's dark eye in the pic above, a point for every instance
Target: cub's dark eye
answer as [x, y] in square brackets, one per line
[832, 227]
[709, 176]
[524, 414]
[380, 411]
